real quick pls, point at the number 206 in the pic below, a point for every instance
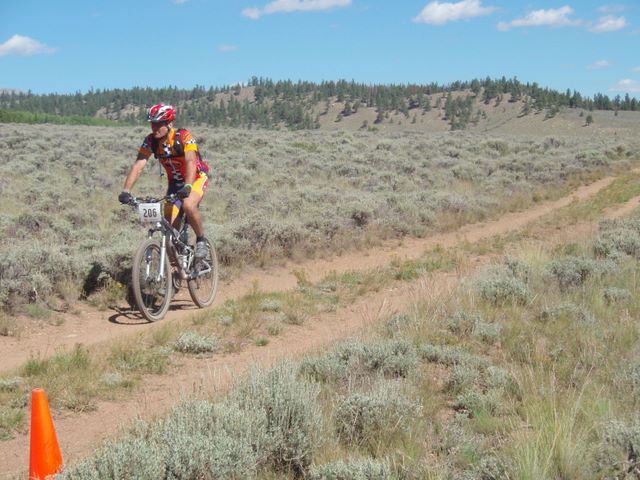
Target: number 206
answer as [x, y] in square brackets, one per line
[149, 212]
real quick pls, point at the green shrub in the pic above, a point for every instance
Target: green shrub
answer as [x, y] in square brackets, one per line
[518, 268]
[615, 295]
[450, 355]
[34, 269]
[10, 420]
[8, 325]
[131, 458]
[629, 378]
[193, 342]
[114, 379]
[554, 312]
[616, 242]
[202, 440]
[335, 365]
[391, 358]
[463, 377]
[490, 468]
[396, 324]
[366, 419]
[474, 402]
[497, 285]
[38, 310]
[478, 387]
[274, 328]
[487, 332]
[616, 455]
[365, 469]
[293, 419]
[499, 378]
[464, 323]
[571, 272]
[270, 305]
[216, 456]
[460, 449]
[11, 384]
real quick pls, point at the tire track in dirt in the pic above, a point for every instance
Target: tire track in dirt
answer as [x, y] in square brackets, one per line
[79, 433]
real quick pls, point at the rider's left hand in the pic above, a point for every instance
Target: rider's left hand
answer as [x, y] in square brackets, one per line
[185, 191]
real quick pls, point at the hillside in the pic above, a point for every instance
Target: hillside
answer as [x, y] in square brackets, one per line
[262, 103]
[506, 117]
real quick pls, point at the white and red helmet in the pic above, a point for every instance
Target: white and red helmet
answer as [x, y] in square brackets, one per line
[161, 113]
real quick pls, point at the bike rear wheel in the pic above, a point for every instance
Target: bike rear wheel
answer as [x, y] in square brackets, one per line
[152, 289]
[204, 287]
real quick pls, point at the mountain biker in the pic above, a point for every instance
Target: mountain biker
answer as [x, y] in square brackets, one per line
[177, 151]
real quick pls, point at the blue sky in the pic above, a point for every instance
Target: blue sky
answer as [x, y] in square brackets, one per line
[66, 46]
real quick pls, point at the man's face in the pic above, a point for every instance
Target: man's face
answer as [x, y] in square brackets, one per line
[159, 129]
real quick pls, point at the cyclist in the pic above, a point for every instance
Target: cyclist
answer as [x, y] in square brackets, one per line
[177, 151]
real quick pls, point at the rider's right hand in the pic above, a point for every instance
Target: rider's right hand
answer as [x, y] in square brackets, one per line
[125, 197]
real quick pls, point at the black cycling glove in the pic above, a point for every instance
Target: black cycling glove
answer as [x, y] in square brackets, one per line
[185, 191]
[125, 197]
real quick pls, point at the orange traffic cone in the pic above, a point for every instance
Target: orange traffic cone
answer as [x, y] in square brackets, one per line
[46, 458]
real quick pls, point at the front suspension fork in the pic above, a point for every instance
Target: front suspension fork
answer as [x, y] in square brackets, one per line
[163, 256]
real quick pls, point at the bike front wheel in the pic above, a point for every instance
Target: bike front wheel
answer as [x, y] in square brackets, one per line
[204, 286]
[152, 288]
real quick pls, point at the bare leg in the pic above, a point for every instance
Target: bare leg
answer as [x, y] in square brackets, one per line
[190, 205]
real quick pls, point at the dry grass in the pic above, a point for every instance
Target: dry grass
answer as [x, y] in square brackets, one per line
[528, 401]
[273, 195]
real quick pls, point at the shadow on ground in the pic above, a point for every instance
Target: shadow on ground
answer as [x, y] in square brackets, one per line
[131, 316]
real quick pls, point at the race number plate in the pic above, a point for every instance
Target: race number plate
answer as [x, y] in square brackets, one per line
[149, 212]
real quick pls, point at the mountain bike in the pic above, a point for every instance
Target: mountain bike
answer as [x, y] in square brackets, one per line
[162, 262]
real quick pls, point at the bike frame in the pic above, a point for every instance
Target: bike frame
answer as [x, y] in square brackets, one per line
[171, 236]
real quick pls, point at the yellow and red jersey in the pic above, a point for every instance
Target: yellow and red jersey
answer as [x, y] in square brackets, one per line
[171, 153]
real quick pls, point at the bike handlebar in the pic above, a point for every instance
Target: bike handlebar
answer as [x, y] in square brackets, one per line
[135, 201]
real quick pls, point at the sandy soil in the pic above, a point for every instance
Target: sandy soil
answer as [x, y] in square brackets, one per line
[80, 433]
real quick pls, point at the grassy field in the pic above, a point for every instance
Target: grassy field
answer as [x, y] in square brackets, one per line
[273, 195]
[527, 369]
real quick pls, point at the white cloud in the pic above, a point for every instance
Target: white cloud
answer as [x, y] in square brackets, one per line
[227, 48]
[635, 69]
[617, 8]
[609, 23]
[553, 17]
[180, 2]
[288, 6]
[253, 13]
[626, 86]
[23, 47]
[436, 13]
[599, 64]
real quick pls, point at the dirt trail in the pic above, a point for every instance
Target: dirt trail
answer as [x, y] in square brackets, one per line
[79, 433]
[90, 326]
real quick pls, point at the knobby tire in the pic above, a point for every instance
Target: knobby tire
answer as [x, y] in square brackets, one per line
[203, 289]
[152, 298]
